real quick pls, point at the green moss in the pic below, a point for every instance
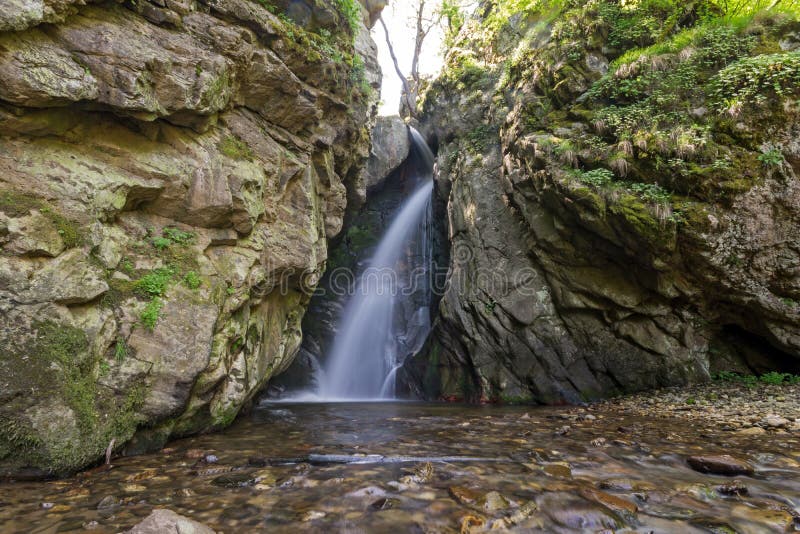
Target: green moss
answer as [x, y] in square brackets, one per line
[432, 381]
[235, 148]
[67, 347]
[16, 204]
[61, 367]
[360, 237]
[224, 417]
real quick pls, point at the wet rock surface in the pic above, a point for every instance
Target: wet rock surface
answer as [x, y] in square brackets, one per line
[403, 473]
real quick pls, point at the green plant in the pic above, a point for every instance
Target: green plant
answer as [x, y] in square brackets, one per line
[154, 283]
[120, 350]
[651, 192]
[596, 177]
[230, 290]
[756, 80]
[15, 204]
[151, 313]
[126, 266]
[161, 243]
[778, 379]
[192, 280]
[771, 158]
[691, 400]
[351, 10]
[178, 236]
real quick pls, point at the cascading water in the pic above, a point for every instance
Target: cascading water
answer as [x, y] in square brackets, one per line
[388, 315]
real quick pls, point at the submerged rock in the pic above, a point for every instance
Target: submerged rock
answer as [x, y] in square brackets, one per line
[161, 521]
[722, 464]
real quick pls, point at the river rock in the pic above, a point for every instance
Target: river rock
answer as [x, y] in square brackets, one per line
[720, 465]
[775, 421]
[161, 521]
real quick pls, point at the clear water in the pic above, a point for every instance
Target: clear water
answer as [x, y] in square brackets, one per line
[438, 467]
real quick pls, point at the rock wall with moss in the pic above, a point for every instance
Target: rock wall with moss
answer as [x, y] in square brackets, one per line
[623, 199]
[170, 175]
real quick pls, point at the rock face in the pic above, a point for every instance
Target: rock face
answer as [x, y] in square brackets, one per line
[170, 174]
[618, 221]
[390, 146]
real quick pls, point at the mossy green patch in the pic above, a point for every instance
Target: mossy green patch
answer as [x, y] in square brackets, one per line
[235, 148]
[16, 204]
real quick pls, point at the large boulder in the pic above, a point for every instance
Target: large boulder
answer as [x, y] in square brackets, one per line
[170, 175]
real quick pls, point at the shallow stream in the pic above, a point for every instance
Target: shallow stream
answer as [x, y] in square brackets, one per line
[409, 467]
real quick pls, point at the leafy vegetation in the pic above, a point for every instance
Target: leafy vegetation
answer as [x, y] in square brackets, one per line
[756, 80]
[151, 313]
[772, 378]
[596, 177]
[192, 280]
[351, 10]
[155, 283]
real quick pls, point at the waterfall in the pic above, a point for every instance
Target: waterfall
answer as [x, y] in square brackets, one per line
[388, 316]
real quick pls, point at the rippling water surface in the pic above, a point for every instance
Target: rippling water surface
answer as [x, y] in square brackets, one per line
[407, 467]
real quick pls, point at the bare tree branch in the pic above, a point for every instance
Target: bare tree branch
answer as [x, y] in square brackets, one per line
[406, 88]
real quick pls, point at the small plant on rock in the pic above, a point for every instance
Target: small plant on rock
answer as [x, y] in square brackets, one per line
[771, 158]
[151, 313]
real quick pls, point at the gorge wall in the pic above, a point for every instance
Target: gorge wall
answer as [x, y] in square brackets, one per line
[170, 175]
[623, 200]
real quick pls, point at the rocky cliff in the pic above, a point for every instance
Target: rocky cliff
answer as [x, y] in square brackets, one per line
[623, 200]
[170, 174]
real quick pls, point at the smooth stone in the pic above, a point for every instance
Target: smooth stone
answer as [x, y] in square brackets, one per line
[162, 521]
[722, 464]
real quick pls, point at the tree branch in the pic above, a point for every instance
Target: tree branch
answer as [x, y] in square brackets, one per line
[406, 88]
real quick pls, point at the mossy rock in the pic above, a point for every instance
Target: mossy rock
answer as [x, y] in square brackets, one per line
[16, 204]
[80, 419]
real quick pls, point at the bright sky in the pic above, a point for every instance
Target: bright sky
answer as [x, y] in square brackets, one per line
[399, 17]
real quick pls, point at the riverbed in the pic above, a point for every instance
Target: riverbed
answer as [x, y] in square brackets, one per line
[412, 467]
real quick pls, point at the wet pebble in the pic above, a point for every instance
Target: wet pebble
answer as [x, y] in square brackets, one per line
[722, 464]
[735, 487]
[384, 503]
[493, 501]
[465, 495]
[108, 502]
[234, 480]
